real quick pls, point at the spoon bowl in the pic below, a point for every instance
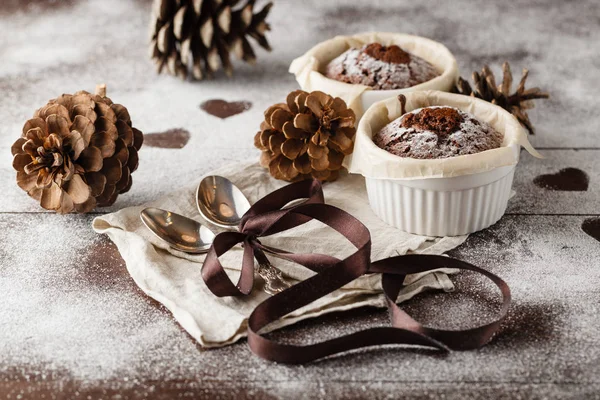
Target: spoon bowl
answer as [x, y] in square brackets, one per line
[181, 233]
[221, 202]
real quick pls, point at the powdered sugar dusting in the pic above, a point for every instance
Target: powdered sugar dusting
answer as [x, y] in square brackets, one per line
[70, 308]
[86, 321]
[549, 348]
[473, 136]
[356, 67]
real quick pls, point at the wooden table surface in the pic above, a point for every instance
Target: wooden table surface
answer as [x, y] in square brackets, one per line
[74, 325]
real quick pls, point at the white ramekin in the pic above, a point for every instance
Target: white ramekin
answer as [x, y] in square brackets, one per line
[442, 206]
[438, 197]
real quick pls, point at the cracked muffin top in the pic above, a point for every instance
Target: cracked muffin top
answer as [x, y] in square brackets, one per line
[437, 132]
[380, 67]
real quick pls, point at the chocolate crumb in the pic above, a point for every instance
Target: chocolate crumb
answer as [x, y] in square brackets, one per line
[442, 120]
[391, 54]
[402, 100]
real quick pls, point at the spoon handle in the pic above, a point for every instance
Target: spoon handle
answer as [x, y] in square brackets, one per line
[274, 282]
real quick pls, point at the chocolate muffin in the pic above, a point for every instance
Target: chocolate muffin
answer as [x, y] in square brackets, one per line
[437, 132]
[380, 67]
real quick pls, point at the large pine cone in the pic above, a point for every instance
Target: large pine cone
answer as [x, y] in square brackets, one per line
[307, 136]
[77, 152]
[191, 36]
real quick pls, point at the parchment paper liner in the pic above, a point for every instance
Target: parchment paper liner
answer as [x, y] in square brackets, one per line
[374, 162]
[307, 67]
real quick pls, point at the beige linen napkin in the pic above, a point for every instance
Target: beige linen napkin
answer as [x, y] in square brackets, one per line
[173, 278]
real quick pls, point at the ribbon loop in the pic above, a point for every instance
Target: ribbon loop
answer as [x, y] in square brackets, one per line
[311, 190]
[268, 216]
[264, 218]
[214, 274]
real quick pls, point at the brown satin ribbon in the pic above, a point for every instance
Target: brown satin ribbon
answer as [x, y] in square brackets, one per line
[268, 217]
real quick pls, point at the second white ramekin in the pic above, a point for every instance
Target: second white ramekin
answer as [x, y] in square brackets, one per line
[442, 206]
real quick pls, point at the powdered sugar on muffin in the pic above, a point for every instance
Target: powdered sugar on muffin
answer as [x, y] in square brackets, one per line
[437, 132]
[380, 67]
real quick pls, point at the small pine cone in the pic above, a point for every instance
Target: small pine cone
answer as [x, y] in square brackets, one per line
[77, 152]
[516, 103]
[308, 136]
[194, 38]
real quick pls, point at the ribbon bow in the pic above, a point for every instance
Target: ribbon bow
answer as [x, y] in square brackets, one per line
[268, 217]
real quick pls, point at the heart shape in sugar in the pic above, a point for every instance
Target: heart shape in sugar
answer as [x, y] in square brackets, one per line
[175, 138]
[225, 109]
[567, 179]
[591, 226]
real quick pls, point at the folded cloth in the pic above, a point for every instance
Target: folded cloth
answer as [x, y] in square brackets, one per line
[173, 278]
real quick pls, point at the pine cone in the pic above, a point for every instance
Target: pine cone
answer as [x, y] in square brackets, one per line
[516, 103]
[77, 152]
[191, 36]
[307, 136]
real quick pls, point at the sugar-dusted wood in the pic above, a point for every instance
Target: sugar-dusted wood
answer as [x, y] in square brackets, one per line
[565, 182]
[72, 322]
[78, 323]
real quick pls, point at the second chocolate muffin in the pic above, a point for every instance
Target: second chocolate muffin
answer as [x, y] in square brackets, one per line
[380, 67]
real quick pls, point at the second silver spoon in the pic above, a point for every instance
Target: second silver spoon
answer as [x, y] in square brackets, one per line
[181, 233]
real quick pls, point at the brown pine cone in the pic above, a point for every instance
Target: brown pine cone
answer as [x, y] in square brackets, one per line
[308, 136]
[77, 152]
[195, 38]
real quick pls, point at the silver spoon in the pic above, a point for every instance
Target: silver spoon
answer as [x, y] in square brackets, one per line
[181, 233]
[223, 204]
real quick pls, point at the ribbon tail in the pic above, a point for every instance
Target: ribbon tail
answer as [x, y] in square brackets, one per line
[465, 339]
